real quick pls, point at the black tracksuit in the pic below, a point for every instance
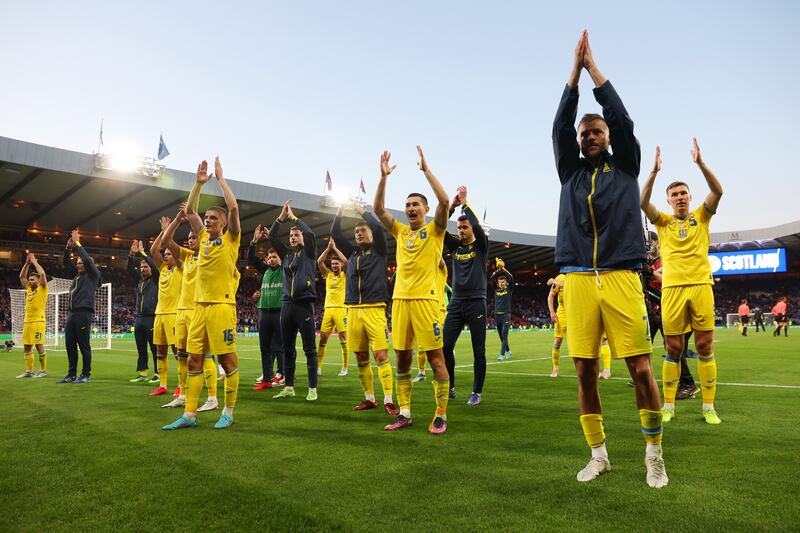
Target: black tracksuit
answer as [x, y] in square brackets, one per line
[468, 301]
[146, 303]
[502, 308]
[599, 217]
[269, 323]
[366, 265]
[758, 317]
[78, 327]
[299, 295]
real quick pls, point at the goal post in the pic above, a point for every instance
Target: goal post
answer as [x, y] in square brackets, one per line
[56, 315]
[732, 320]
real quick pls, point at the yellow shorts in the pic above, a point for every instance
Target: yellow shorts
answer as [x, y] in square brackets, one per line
[213, 329]
[366, 326]
[33, 333]
[687, 307]
[443, 313]
[418, 319]
[609, 300]
[334, 317]
[182, 322]
[560, 328]
[164, 330]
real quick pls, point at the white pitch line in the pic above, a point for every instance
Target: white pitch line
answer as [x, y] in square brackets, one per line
[760, 385]
[506, 362]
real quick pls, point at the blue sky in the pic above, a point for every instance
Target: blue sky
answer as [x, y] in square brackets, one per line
[285, 91]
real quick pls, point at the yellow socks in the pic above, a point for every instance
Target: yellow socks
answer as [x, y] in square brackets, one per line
[404, 386]
[707, 369]
[386, 377]
[43, 361]
[651, 425]
[345, 353]
[421, 360]
[321, 354]
[592, 425]
[28, 361]
[556, 354]
[440, 391]
[605, 355]
[162, 368]
[231, 388]
[670, 375]
[210, 375]
[194, 384]
[365, 377]
[183, 370]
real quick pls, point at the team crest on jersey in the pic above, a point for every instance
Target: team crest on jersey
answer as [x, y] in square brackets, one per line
[410, 243]
[606, 168]
[682, 233]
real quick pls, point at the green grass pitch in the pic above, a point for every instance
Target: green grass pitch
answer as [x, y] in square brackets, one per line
[94, 457]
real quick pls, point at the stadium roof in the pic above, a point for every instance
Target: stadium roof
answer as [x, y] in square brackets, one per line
[45, 192]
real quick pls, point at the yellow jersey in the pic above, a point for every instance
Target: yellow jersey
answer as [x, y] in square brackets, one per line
[35, 304]
[684, 248]
[334, 289]
[169, 289]
[186, 301]
[217, 277]
[559, 292]
[418, 255]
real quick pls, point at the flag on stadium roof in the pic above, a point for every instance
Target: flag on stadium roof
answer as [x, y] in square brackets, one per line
[162, 148]
[328, 180]
[484, 213]
[101, 132]
[361, 186]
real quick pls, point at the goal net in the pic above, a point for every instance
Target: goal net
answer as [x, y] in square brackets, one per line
[56, 314]
[732, 320]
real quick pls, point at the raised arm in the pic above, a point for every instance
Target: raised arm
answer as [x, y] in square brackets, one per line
[565, 137]
[68, 264]
[481, 240]
[148, 260]
[193, 203]
[379, 204]
[273, 237]
[252, 255]
[649, 208]
[234, 226]
[155, 249]
[309, 239]
[39, 270]
[132, 267]
[379, 239]
[339, 254]
[321, 259]
[169, 235]
[342, 242]
[23, 274]
[88, 262]
[620, 125]
[715, 187]
[443, 207]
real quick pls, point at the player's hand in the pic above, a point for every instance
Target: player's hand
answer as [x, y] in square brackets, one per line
[657, 163]
[340, 210]
[697, 157]
[30, 258]
[579, 51]
[551, 281]
[499, 263]
[264, 233]
[385, 168]
[462, 194]
[588, 57]
[455, 202]
[180, 216]
[255, 296]
[141, 247]
[164, 221]
[554, 318]
[202, 172]
[256, 235]
[422, 163]
[218, 169]
[358, 208]
[284, 212]
[75, 237]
